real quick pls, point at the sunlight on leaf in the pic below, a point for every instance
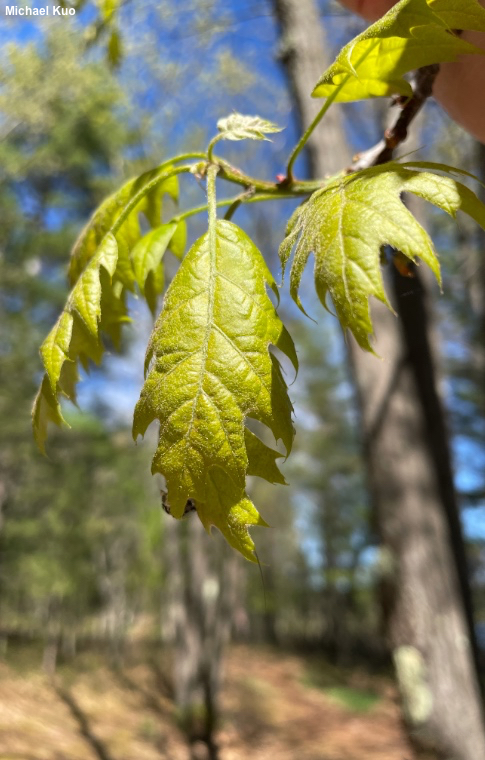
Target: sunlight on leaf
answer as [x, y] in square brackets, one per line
[210, 369]
[129, 233]
[346, 224]
[414, 33]
[239, 127]
[103, 265]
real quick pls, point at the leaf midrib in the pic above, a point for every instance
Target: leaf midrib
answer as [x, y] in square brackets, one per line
[212, 241]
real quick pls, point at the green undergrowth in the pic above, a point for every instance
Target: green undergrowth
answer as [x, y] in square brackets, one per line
[340, 685]
[355, 700]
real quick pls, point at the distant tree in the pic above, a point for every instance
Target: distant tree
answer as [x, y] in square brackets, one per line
[410, 475]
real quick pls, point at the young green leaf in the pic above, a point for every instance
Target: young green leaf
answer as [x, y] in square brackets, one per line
[74, 336]
[211, 369]
[262, 459]
[46, 409]
[147, 258]
[414, 33]
[240, 127]
[107, 259]
[346, 224]
[230, 511]
[147, 254]
[161, 182]
[178, 240]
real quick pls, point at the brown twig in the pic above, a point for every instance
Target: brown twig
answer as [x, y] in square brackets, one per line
[396, 134]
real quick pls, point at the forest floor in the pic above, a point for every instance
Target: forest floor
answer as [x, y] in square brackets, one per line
[275, 706]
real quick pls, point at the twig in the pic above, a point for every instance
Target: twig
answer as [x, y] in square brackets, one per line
[396, 134]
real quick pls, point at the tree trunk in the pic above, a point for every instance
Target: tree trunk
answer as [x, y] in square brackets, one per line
[112, 587]
[474, 267]
[425, 616]
[427, 610]
[478, 292]
[202, 601]
[51, 638]
[470, 319]
[49, 655]
[301, 50]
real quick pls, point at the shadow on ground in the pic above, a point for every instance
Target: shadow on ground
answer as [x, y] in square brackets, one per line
[84, 724]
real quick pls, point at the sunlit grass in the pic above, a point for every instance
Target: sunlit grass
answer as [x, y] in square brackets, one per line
[334, 683]
[356, 700]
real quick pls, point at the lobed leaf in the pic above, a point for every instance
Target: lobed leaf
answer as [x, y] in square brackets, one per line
[231, 512]
[147, 254]
[240, 127]
[147, 258]
[129, 233]
[262, 459]
[414, 33]
[74, 336]
[108, 258]
[178, 241]
[346, 224]
[211, 368]
[46, 409]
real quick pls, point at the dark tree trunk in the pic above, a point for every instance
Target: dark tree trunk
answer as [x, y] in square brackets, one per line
[427, 609]
[480, 291]
[474, 266]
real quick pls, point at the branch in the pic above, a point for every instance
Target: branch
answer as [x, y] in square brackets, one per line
[396, 134]
[279, 189]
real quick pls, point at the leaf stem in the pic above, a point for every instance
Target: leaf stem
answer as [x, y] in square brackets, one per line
[211, 146]
[263, 189]
[212, 204]
[199, 210]
[308, 132]
[237, 202]
[183, 157]
[257, 198]
[144, 191]
[316, 121]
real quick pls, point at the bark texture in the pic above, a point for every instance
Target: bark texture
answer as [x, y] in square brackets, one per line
[426, 593]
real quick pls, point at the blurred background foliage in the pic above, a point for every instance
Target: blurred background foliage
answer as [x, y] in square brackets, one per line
[88, 560]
